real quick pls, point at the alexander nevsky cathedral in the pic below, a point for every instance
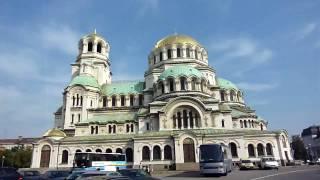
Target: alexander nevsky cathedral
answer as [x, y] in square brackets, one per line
[159, 121]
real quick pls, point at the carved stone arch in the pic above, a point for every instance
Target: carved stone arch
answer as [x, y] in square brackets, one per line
[236, 142]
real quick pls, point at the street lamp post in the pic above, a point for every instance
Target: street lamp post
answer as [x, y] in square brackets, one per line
[2, 161]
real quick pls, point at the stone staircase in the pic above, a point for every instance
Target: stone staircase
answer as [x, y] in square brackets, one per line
[191, 166]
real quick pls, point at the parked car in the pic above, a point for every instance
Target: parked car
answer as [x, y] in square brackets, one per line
[269, 163]
[246, 164]
[8, 173]
[30, 174]
[75, 174]
[106, 175]
[55, 175]
[136, 174]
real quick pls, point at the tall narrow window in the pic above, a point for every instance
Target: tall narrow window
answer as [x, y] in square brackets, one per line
[222, 123]
[123, 99]
[195, 54]
[91, 103]
[154, 59]
[92, 130]
[114, 101]
[169, 53]
[245, 124]
[73, 100]
[90, 45]
[188, 52]
[81, 100]
[77, 99]
[162, 87]
[131, 100]
[183, 83]
[132, 127]
[79, 117]
[178, 52]
[161, 56]
[127, 128]
[140, 99]
[241, 124]
[261, 127]
[114, 129]
[109, 129]
[97, 129]
[193, 84]
[147, 126]
[99, 47]
[171, 83]
[104, 102]
[65, 155]
[72, 118]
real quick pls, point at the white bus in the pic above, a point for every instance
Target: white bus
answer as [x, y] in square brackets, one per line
[215, 159]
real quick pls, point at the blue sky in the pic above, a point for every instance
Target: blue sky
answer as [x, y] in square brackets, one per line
[268, 48]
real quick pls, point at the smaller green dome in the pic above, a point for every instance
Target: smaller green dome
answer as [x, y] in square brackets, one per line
[84, 80]
[226, 84]
[180, 70]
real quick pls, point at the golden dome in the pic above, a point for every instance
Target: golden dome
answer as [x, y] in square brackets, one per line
[54, 133]
[176, 39]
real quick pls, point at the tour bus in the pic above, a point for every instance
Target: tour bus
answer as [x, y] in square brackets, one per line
[215, 159]
[101, 161]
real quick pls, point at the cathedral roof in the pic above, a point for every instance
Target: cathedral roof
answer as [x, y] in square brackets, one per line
[226, 84]
[123, 87]
[176, 39]
[119, 117]
[84, 80]
[54, 133]
[180, 70]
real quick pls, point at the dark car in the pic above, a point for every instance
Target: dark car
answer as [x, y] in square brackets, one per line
[30, 175]
[7, 173]
[55, 175]
[136, 174]
[75, 174]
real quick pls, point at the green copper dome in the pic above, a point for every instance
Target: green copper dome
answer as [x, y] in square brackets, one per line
[180, 70]
[129, 87]
[84, 80]
[226, 84]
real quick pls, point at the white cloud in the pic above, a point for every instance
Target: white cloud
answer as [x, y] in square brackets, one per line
[307, 30]
[60, 37]
[257, 87]
[241, 49]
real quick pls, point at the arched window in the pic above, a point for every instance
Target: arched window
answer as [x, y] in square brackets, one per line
[260, 150]
[78, 151]
[161, 85]
[202, 85]
[156, 153]
[284, 142]
[129, 155]
[154, 59]
[193, 84]
[167, 152]
[114, 99]
[127, 128]
[73, 100]
[119, 150]
[195, 54]
[92, 130]
[269, 149]
[231, 95]
[161, 56]
[99, 47]
[98, 150]
[233, 148]
[88, 150]
[169, 53]
[183, 83]
[241, 124]
[105, 102]
[114, 129]
[72, 118]
[222, 95]
[132, 127]
[131, 100]
[178, 52]
[245, 123]
[188, 52]
[123, 100]
[109, 150]
[79, 117]
[251, 150]
[140, 99]
[222, 123]
[252, 124]
[145, 153]
[97, 129]
[171, 84]
[90, 45]
[109, 129]
[77, 99]
[65, 155]
[261, 127]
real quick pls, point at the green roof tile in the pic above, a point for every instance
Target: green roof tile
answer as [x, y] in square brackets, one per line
[226, 84]
[180, 70]
[84, 80]
[116, 88]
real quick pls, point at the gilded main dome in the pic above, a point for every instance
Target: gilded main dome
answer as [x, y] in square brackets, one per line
[54, 133]
[176, 39]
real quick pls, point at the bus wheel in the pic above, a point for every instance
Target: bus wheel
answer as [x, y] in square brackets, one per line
[225, 172]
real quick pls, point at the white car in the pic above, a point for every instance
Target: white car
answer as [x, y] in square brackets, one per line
[269, 163]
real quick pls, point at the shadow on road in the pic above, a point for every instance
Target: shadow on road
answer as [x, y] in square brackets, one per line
[191, 174]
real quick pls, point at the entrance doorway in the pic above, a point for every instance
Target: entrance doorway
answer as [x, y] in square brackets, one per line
[45, 156]
[188, 150]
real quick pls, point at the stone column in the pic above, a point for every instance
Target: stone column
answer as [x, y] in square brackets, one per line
[177, 84]
[188, 120]
[255, 151]
[151, 154]
[177, 127]
[182, 123]
[166, 86]
[162, 154]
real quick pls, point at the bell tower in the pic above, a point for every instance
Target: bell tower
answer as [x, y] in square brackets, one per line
[93, 58]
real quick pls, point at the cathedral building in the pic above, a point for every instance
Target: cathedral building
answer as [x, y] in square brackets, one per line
[159, 121]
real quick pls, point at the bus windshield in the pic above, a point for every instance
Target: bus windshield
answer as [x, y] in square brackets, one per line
[211, 153]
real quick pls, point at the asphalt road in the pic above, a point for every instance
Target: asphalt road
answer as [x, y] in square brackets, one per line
[284, 173]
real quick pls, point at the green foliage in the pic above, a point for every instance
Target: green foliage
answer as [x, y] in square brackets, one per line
[300, 152]
[18, 157]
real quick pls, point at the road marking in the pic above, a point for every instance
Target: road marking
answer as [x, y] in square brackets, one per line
[284, 173]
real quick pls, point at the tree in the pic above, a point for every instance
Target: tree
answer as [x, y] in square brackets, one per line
[300, 152]
[18, 157]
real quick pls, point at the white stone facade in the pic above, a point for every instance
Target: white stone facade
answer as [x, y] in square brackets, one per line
[162, 120]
